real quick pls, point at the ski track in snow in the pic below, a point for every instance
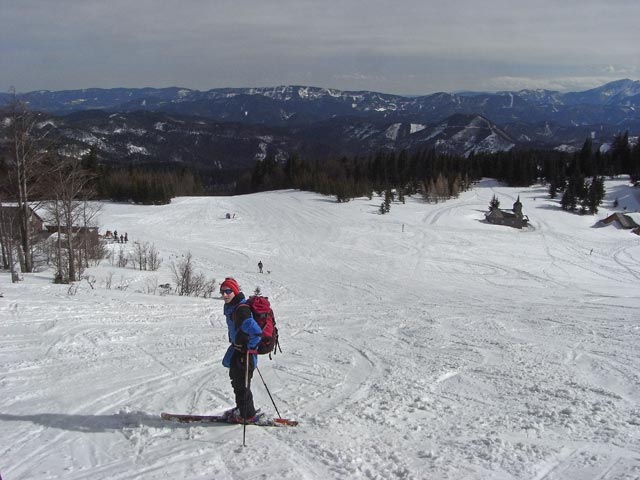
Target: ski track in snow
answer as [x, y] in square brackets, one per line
[422, 344]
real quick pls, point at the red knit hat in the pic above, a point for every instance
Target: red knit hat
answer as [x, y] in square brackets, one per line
[230, 283]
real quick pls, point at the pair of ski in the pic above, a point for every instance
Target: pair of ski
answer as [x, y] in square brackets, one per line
[262, 422]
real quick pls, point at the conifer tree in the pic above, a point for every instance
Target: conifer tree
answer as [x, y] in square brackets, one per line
[595, 194]
[388, 198]
[568, 201]
[634, 173]
[494, 203]
[586, 158]
[620, 155]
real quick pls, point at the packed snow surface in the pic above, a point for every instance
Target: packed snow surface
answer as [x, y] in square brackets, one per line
[422, 344]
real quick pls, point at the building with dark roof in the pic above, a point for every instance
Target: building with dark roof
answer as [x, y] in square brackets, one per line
[511, 218]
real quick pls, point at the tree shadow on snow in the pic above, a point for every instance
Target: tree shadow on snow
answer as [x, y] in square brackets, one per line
[98, 423]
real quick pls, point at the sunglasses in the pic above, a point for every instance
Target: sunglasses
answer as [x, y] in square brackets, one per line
[226, 291]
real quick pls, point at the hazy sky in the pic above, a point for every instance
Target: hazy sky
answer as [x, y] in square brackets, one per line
[391, 46]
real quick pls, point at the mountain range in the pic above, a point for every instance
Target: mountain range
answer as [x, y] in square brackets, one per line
[235, 126]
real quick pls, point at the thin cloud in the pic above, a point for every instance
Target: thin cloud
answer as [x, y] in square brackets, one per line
[407, 46]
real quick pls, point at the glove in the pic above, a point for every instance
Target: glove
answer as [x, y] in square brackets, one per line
[240, 348]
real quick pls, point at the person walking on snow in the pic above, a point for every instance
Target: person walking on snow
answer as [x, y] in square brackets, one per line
[260, 266]
[244, 336]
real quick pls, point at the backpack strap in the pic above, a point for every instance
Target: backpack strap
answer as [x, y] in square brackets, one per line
[244, 304]
[237, 319]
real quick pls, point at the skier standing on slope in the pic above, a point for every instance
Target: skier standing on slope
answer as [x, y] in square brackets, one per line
[244, 336]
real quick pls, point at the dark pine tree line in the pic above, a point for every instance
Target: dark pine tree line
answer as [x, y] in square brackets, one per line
[146, 187]
[582, 194]
[435, 176]
[150, 185]
[524, 168]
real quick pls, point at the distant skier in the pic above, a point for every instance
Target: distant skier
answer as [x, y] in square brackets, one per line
[244, 336]
[260, 266]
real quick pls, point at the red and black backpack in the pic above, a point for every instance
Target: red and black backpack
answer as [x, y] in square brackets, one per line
[263, 315]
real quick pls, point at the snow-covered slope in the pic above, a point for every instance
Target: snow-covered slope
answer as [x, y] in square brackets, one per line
[423, 344]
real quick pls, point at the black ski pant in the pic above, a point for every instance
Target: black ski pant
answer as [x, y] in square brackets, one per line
[237, 372]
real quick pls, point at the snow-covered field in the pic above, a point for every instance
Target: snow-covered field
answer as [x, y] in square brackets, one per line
[453, 349]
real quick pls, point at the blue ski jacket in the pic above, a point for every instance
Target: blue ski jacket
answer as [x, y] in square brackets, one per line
[244, 332]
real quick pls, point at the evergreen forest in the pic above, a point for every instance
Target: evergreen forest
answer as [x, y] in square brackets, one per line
[578, 176]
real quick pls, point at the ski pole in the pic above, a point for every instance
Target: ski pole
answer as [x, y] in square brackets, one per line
[265, 386]
[246, 391]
